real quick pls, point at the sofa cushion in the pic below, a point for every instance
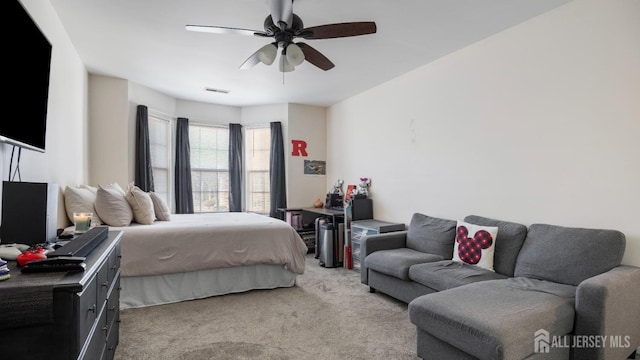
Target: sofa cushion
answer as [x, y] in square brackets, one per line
[475, 244]
[448, 274]
[396, 262]
[508, 244]
[569, 255]
[431, 235]
[496, 319]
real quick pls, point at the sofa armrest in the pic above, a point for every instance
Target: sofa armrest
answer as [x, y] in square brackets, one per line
[609, 304]
[371, 243]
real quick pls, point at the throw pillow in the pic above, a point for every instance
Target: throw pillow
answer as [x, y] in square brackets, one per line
[475, 244]
[141, 204]
[80, 199]
[160, 207]
[112, 206]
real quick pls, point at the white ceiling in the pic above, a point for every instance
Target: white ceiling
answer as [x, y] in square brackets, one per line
[145, 41]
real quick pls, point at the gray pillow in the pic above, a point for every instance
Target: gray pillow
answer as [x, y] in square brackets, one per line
[432, 235]
[508, 244]
[569, 255]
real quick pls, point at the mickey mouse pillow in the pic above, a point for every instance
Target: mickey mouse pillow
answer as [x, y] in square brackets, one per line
[475, 244]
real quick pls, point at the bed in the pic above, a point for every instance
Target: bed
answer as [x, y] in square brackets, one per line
[194, 256]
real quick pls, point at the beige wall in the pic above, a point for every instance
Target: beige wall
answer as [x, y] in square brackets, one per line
[113, 105]
[66, 157]
[537, 124]
[306, 123]
[110, 135]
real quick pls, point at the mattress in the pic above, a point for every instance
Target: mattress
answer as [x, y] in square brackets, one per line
[196, 242]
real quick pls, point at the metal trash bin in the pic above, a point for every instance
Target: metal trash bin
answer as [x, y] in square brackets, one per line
[327, 248]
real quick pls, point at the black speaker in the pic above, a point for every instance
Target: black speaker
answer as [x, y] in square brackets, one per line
[29, 212]
[361, 209]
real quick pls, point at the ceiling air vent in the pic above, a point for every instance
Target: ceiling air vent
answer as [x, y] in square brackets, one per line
[221, 91]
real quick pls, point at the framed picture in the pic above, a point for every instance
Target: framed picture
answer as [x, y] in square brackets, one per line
[315, 167]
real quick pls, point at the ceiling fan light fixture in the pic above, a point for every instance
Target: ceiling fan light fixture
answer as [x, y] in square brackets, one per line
[284, 64]
[267, 54]
[295, 56]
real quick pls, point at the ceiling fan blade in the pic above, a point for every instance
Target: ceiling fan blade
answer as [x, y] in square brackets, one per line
[281, 12]
[332, 31]
[252, 61]
[315, 57]
[224, 30]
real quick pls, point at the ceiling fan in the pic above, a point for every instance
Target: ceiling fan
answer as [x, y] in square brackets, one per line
[284, 26]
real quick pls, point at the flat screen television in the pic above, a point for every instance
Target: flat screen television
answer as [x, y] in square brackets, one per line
[27, 58]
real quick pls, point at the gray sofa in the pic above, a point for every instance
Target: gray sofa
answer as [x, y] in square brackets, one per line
[555, 292]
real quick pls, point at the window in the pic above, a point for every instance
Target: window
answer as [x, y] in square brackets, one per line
[209, 168]
[258, 144]
[160, 145]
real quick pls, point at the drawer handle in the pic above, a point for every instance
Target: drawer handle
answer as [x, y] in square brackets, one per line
[92, 308]
[114, 267]
[119, 256]
[106, 328]
[112, 308]
[119, 287]
[105, 284]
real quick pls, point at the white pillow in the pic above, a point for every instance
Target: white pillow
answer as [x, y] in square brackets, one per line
[160, 207]
[112, 207]
[475, 244]
[141, 205]
[81, 199]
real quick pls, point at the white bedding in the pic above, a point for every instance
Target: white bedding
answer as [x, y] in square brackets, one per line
[194, 242]
[141, 291]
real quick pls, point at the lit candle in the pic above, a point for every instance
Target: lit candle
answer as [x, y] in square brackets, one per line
[82, 221]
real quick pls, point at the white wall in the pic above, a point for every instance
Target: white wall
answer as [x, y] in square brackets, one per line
[537, 124]
[307, 123]
[66, 158]
[205, 113]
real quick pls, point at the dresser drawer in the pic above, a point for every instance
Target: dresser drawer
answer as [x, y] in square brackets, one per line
[113, 262]
[112, 342]
[96, 345]
[103, 284]
[113, 302]
[87, 310]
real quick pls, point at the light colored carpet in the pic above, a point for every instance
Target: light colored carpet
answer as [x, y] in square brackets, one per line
[329, 314]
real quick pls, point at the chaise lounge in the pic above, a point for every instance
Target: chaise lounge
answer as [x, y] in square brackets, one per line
[551, 292]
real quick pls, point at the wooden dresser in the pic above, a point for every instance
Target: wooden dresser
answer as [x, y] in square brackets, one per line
[71, 315]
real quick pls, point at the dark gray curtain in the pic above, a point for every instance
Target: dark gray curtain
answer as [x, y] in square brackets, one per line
[235, 167]
[276, 170]
[144, 171]
[183, 188]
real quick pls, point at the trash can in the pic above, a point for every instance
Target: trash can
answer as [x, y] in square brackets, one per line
[327, 248]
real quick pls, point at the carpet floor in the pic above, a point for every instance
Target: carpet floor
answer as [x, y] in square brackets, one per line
[329, 314]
